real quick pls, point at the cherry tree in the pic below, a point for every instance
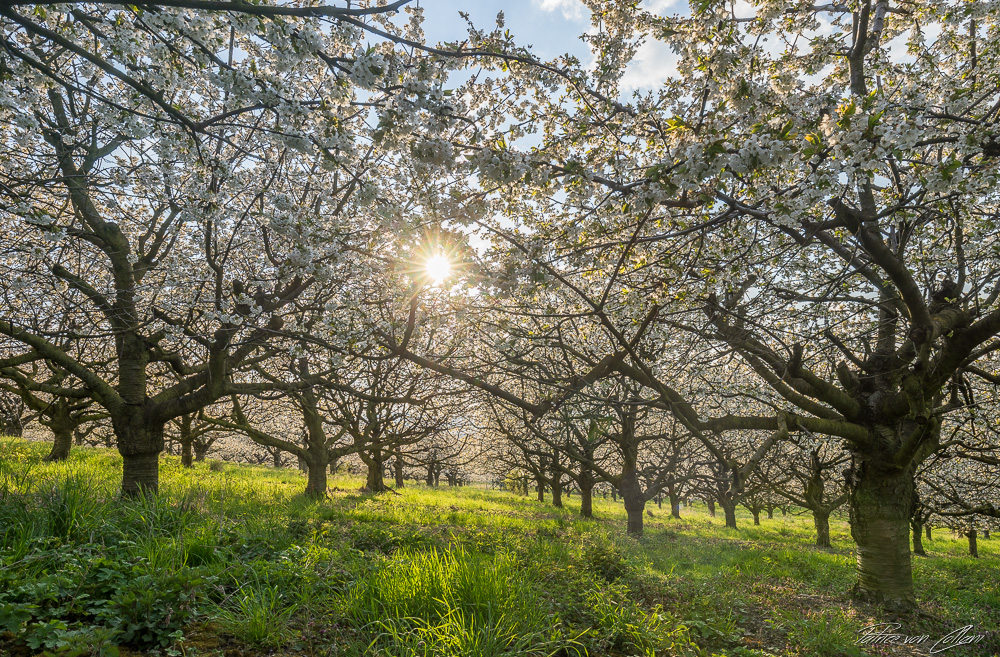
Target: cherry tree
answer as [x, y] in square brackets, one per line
[187, 205]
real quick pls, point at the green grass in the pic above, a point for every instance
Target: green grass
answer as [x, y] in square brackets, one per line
[240, 562]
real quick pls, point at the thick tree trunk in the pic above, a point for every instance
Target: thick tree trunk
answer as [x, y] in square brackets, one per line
[918, 543]
[821, 519]
[398, 471]
[880, 504]
[140, 442]
[635, 501]
[557, 492]
[675, 505]
[770, 513]
[375, 482]
[187, 453]
[62, 442]
[429, 480]
[540, 489]
[200, 451]
[587, 501]
[729, 508]
[756, 515]
[316, 482]
[986, 534]
[276, 458]
[711, 508]
[973, 546]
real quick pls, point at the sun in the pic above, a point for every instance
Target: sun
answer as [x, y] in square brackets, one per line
[438, 268]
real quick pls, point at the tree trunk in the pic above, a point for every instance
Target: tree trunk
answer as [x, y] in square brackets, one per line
[880, 503]
[927, 531]
[711, 508]
[729, 508]
[398, 471]
[187, 454]
[675, 505]
[821, 519]
[918, 543]
[437, 477]
[973, 546]
[140, 442]
[200, 451]
[375, 483]
[316, 482]
[276, 458]
[429, 480]
[756, 516]
[770, 513]
[587, 501]
[557, 492]
[61, 443]
[635, 501]
[986, 534]
[540, 489]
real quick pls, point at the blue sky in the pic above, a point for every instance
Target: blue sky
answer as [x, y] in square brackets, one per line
[551, 27]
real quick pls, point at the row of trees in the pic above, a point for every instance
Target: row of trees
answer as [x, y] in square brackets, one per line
[211, 211]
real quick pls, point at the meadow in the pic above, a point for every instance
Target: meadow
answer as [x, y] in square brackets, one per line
[233, 561]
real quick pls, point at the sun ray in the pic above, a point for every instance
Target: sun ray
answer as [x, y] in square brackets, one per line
[438, 268]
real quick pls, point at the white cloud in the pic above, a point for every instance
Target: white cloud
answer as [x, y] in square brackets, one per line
[571, 9]
[653, 64]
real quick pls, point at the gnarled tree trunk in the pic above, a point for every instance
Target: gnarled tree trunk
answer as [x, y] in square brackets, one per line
[398, 471]
[635, 501]
[880, 502]
[586, 494]
[821, 519]
[973, 545]
[557, 491]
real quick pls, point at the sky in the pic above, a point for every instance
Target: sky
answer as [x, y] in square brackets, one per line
[551, 27]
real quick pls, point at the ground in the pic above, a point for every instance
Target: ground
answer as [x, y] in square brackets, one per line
[236, 562]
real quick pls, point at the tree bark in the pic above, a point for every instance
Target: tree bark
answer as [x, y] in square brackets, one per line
[927, 530]
[729, 508]
[880, 503]
[62, 442]
[586, 502]
[918, 543]
[986, 534]
[316, 482]
[675, 504]
[557, 492]
[398, 471]
[140, 441]
[375, 482]
[973, 545]
[586, 494]
[770, 513]
[635, 501]
[711, 508]
[200, 451]
[187, 454]
[540, 489]
[821, 519]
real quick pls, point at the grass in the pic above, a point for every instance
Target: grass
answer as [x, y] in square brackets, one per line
[238, 562]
